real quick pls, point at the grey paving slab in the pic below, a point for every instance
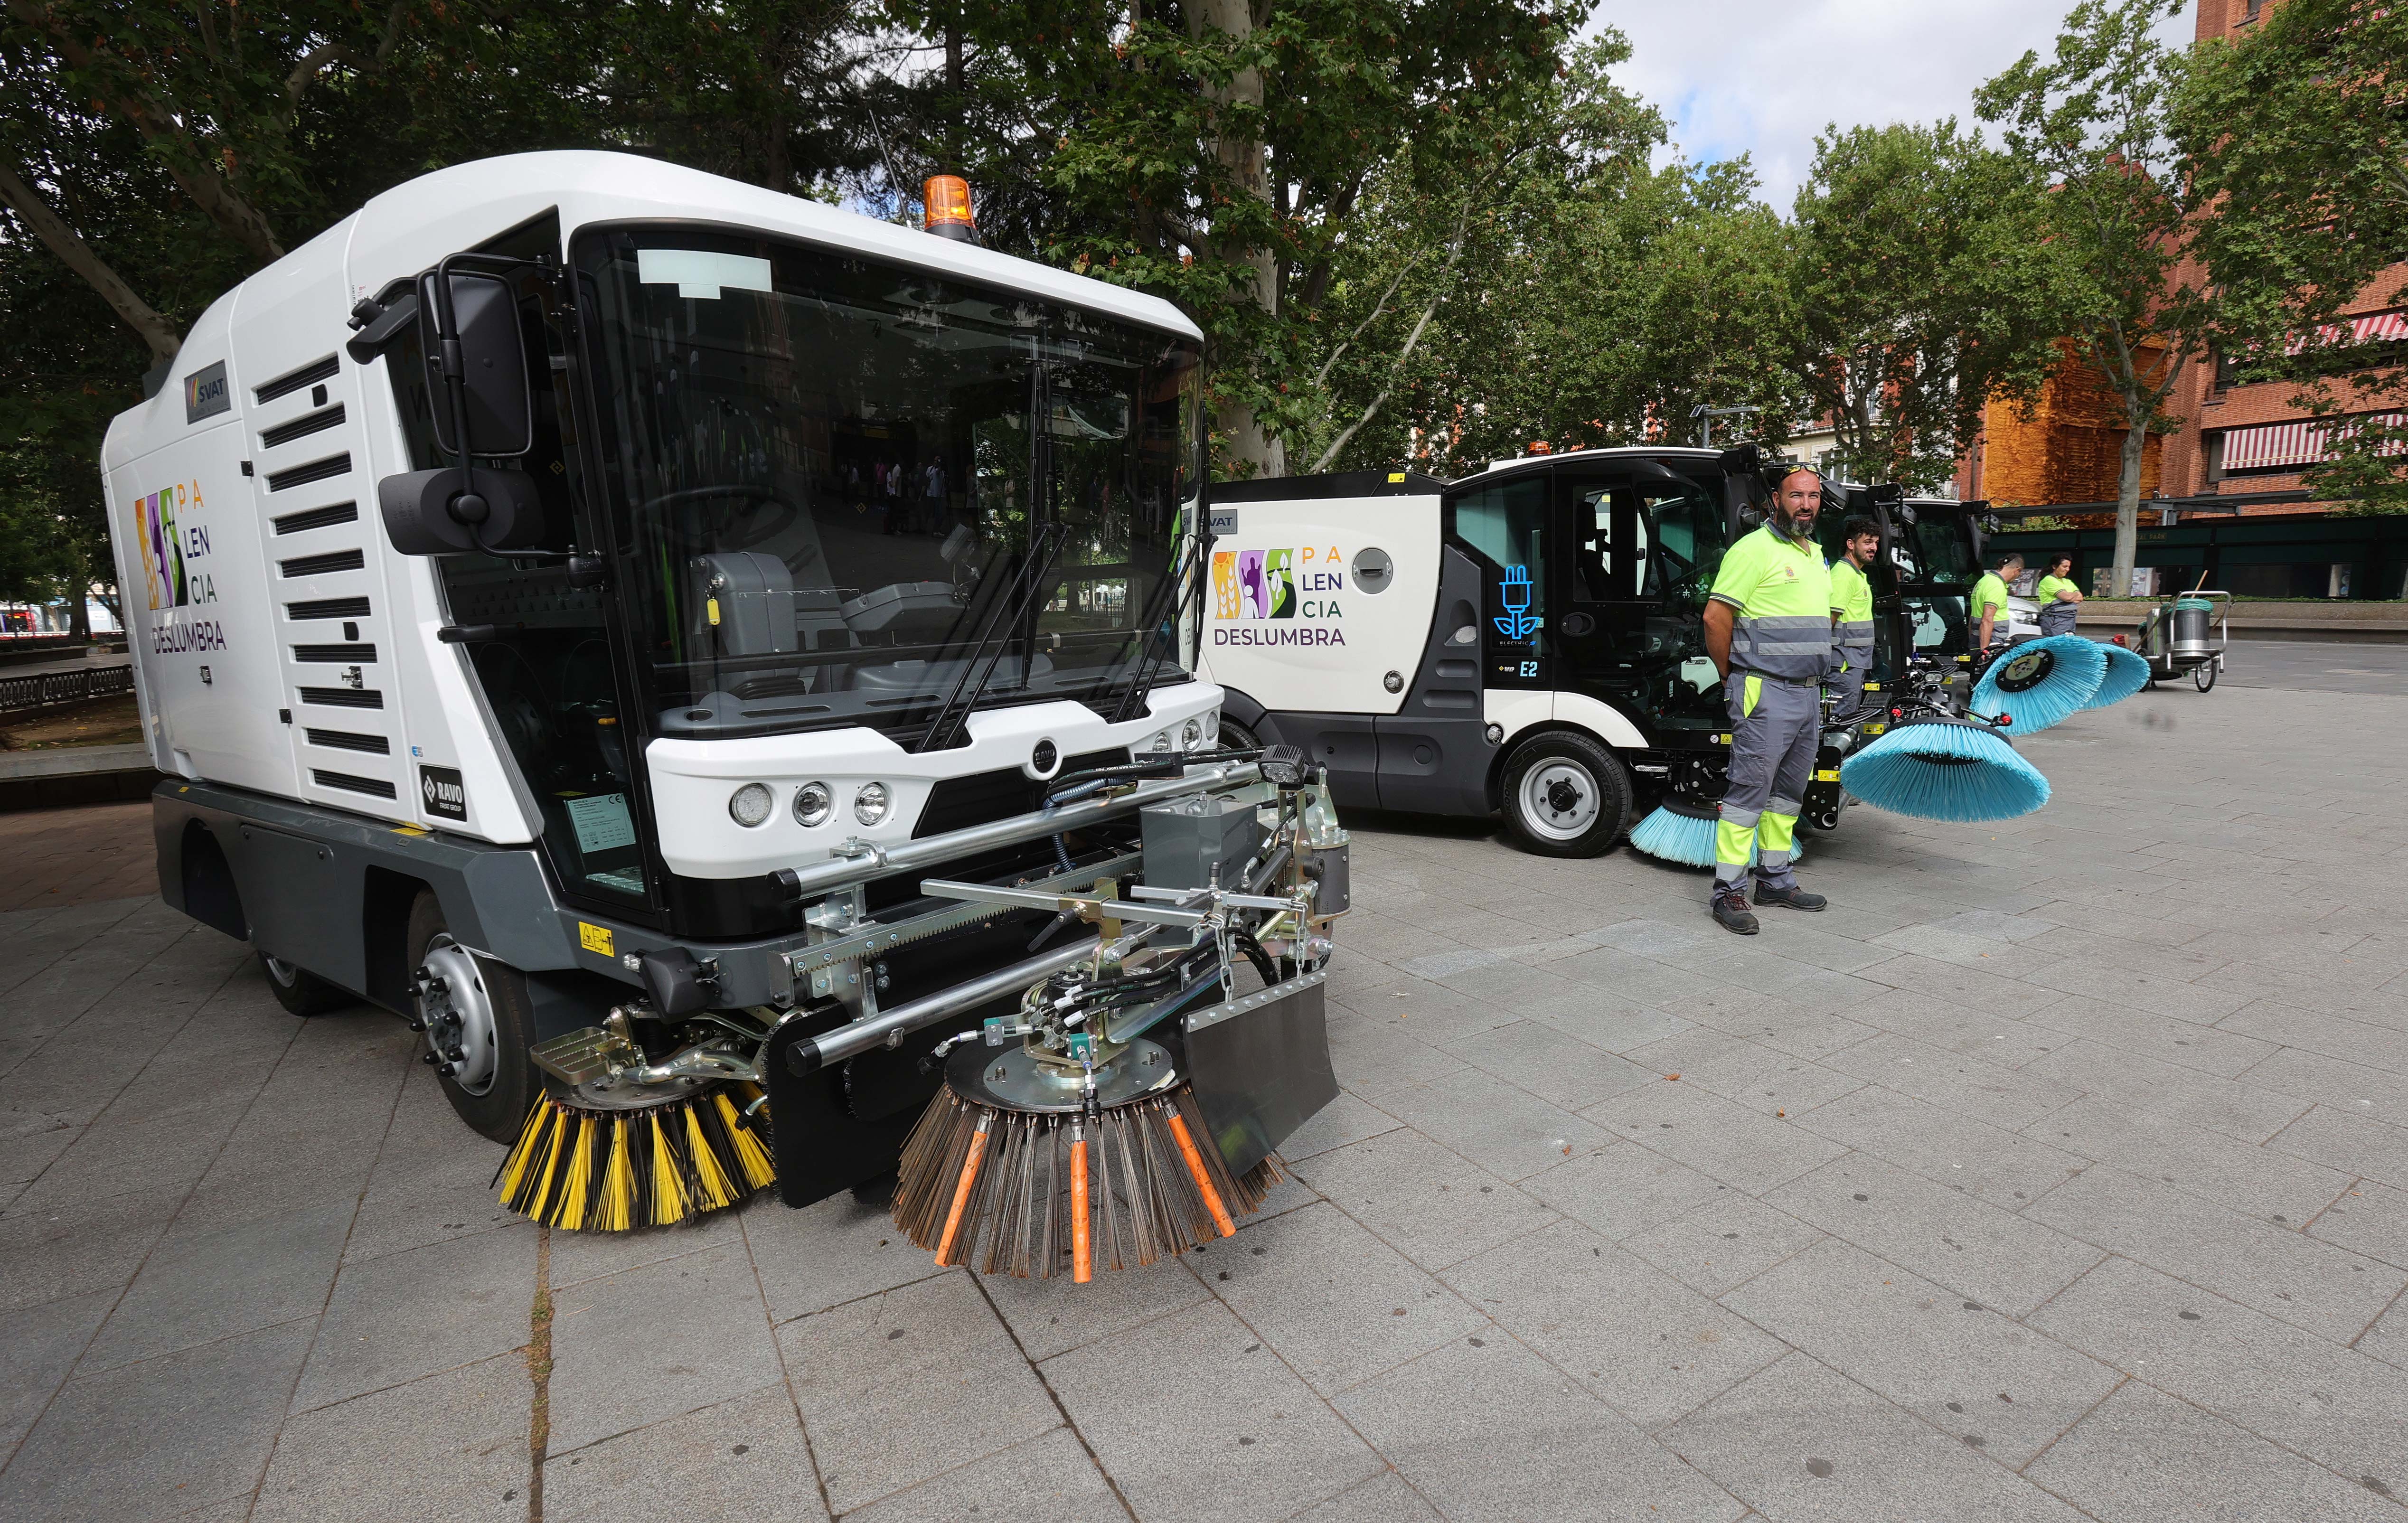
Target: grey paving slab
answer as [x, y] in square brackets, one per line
[2335, 1405]
[1960, 1366]
[1386, 1497]
[1503, 1129]
[2145, 1456]
[1808, 1029]
[1549, 1063]
[1341, 1123]
[178, 1432]
[2169, 1038]
[1987, 1162]
[433, 1179]
[199, 1286]
[828, 1253]
[2371, 1220]
[1048, 1479]
[1337, 1304]
[452, 1446]
[1623, 1189]
[1976, 1249]
[38, 1345]
[66, 1251]
[1733, 1143]
[2332, 1036]
[1426, 1203]
[1376, 1058]
[2353, 1145]
[906, 1385]
[1490, 1431]
[1760, 1077]
[2254, 1181]
[1052, 1317]
[1722, 1242]
[2279, 1270]
[2004, 1097]
[718, 1345]
[1800, 1441]
[1635, 1337]
[1263, 1446]
[401, 1316]
[2240, 1107]
[2305, 1077]
[746, 1458]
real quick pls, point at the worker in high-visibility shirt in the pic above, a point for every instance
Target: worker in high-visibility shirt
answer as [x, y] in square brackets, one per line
[2059, 599]
[1987, 610]
[1852, 616]
[1768, 630]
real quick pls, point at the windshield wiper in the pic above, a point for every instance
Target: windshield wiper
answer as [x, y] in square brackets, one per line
[1148, 657]
[1012, 608]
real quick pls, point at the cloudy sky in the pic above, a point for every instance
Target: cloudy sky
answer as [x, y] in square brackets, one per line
[1763, 77]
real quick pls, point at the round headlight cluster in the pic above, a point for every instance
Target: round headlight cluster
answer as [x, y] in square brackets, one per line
[751, 804]
[869, 804]
[1191, 735]
[813, 803]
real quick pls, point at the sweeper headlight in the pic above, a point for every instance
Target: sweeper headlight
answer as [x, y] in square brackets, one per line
[869, 804]
[813, 803]
[751, 804]
[1191, 735]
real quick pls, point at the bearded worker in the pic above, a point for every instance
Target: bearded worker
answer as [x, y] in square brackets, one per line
[1769, 631]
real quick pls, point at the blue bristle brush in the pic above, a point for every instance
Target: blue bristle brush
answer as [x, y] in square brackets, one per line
[1958, 771]
[1681, 830]
[2127, 672]
[2039, 682]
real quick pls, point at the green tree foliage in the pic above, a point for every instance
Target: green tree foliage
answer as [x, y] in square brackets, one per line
[1920, 281]
[2297, 128]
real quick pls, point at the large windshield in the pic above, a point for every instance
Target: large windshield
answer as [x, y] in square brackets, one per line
[848, 491]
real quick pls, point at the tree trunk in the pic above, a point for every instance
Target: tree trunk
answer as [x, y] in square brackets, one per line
[78, 255]
[2127, 500]
[1242, 432]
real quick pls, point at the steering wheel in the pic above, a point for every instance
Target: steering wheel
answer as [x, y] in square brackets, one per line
[742, 532]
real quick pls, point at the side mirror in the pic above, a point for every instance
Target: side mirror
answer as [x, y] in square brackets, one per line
[493, 361]
[432, 512]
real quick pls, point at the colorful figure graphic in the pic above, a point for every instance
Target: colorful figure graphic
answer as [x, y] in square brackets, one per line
[1279, 584]
[1250, 583]
[1225, 583]
[174, 566]
[153, 537]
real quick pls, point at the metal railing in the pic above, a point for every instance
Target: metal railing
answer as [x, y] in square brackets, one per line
[47, 689]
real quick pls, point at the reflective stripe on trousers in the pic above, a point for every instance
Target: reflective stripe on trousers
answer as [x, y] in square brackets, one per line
[1775, 726]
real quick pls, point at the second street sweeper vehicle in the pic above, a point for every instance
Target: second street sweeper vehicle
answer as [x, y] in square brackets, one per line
[722, 668]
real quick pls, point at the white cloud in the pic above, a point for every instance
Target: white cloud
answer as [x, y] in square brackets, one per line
[1763, 77]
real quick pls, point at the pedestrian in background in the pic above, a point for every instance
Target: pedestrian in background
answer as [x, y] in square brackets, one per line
[2059, 599]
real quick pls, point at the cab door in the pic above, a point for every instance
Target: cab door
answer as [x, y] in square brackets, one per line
[1639, 544]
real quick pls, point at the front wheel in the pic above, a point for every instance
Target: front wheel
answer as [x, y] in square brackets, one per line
[478, 1027]
[1566, 795]
[1237, 736]
[2204, 675]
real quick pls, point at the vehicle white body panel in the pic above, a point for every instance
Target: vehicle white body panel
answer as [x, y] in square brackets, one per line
[253, 630]
[1328, 640]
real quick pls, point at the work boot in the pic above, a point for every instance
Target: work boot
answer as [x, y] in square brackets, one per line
[1793, 897]
[1731, 911]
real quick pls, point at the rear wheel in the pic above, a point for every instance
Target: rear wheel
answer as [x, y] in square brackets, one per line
[300, 991]
[2204, 675]
[477, 1022]
[1566, 795]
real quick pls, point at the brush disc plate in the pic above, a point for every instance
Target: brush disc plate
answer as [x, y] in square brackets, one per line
[2022, 673]
[1010, 1079]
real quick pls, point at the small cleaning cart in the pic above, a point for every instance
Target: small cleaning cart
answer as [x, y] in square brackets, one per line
[2186, 634]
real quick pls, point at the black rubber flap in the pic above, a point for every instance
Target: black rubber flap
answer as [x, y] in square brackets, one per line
[1261, 1075]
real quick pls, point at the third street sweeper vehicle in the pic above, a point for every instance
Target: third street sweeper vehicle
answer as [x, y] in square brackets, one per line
[722, 668]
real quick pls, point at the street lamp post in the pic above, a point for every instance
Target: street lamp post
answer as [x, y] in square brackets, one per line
[1706, 428]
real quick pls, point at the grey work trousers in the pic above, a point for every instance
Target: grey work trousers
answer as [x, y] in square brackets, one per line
[1775, 726]
[2057, 617]
[1846, 686]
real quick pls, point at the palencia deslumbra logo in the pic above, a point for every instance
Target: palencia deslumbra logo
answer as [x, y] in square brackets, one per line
[1286, 590]
[174, 546]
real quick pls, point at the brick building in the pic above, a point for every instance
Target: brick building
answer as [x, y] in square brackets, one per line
[2233, 439]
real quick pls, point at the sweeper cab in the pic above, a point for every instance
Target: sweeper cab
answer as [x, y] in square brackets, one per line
[696, 653]
[1528, 640]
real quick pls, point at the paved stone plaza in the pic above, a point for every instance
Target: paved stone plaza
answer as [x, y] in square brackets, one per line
[2061, 1170]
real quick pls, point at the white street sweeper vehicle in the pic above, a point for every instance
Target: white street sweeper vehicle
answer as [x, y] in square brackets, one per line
[722, 668]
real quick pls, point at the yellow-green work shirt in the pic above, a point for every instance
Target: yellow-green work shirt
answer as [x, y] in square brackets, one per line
[1993, 591]
[2050, 586]
[1852, 596]
[1781, 590]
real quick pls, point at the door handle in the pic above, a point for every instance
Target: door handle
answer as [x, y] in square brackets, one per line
[1578, 625]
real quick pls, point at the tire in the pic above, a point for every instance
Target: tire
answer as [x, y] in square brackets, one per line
[1237, 736]
[498, 1109]
[1565, 796]
[301, 992]
[2204, 676]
